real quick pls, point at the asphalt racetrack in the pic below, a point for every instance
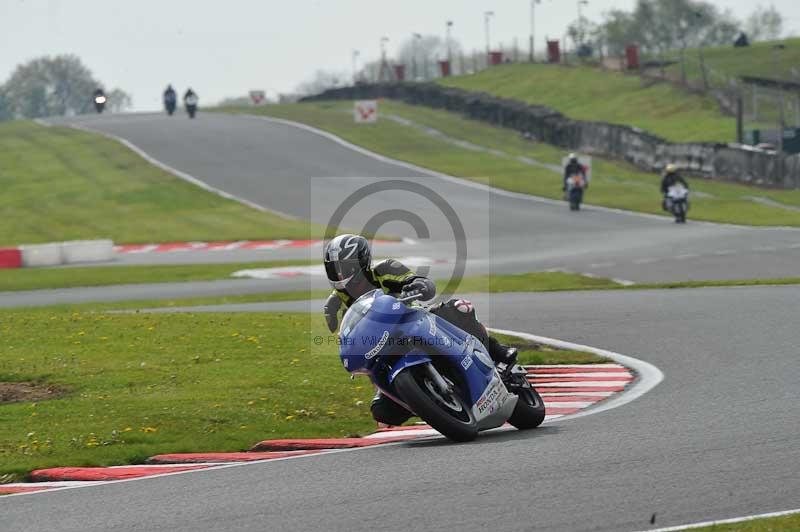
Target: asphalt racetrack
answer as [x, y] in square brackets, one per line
[716, 439]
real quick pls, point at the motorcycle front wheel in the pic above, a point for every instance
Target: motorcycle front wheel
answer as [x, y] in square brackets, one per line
[447, 413]
[529, 412]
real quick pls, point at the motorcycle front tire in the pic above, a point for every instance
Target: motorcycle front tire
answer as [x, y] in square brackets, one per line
[410, 385]
[530, 410]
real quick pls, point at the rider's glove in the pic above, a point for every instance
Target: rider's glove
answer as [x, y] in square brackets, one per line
[422, 286]
[331, 311]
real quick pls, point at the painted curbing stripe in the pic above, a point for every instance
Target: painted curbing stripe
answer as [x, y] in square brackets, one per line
[649, 376]
[725, 521]
[550, 405]
[194, 458]
[553, 398]
[599, 385]
[584, 380]
[587, 376]
[563, 411]
[323, 443]
[20, 490]
[600, 395]
[107, 473]
[566, 389]
[606, 367]
[578, 371]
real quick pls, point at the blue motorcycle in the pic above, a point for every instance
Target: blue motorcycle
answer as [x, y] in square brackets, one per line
[434, 369]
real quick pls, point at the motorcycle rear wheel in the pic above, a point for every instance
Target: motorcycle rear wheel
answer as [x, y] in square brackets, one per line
[450, 415]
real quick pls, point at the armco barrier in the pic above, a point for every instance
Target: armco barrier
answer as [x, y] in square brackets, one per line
[649, 152]
[10, 258]
[35, 255]
[87, 251]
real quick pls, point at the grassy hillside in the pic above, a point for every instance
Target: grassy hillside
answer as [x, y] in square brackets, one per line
[587, 93]
[61, 184]
[760, 60]
[614, 184]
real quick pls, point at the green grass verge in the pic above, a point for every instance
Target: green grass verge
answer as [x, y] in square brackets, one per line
[62, 184]
[145, 384]
[42, 278]
[615, 184]
[588, 93]
[140, 385]
[526, 282]
[758, 60]
[785, 523]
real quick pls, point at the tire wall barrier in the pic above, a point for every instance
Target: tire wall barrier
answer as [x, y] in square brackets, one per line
[57, 253]
[34, 255]
[87, 251]
[731, 162]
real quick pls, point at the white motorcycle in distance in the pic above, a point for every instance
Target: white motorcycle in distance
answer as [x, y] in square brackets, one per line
[677, 202]
[100, 103]
[190, 103]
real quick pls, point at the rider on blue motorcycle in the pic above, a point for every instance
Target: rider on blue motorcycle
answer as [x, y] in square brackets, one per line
[348, 265]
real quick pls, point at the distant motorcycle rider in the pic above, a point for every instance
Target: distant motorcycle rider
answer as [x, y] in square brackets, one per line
[190, 97]
[170, 99]
[670, 179]
[348, 265]
[574, 167]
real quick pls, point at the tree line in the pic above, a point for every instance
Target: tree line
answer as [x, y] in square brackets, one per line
[51, 86]
[656, 26]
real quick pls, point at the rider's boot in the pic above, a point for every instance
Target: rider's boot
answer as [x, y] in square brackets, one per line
[388, 413]
[501, 354]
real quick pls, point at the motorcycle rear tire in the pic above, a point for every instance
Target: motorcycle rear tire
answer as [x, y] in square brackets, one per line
[409, 384]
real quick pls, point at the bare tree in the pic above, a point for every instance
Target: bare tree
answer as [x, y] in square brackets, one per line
[321, 81]
[619, 29]
[235, 101]
[764, 24]
[119, 100]
[420, 55]
[50, 86]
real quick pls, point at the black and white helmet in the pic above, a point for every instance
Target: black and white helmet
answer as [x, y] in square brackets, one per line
[345, 256]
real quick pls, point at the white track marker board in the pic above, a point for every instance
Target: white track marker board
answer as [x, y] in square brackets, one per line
[365, 111]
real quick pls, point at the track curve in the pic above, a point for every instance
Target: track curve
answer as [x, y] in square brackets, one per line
[715, 440]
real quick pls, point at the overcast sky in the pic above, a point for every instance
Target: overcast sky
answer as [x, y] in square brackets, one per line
[225, 48]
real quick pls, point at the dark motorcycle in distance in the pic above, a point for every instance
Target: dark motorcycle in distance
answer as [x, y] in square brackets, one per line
[170, 103]
[575, 186]
[100, 102]
[677, 202]
[191, 105]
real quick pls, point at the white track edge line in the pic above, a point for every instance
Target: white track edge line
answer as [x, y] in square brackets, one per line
[649, 375]
[725, 521]
[180, 174]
